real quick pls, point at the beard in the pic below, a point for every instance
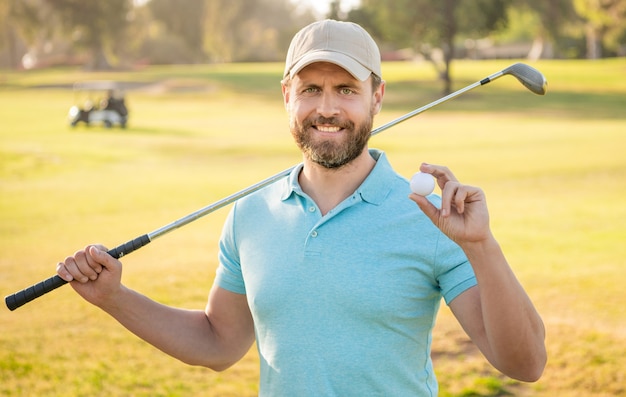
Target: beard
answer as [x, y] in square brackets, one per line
[331, 154]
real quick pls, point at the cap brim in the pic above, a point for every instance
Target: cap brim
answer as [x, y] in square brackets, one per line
[349, 64]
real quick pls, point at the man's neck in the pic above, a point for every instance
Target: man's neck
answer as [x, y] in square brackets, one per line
[329, 187]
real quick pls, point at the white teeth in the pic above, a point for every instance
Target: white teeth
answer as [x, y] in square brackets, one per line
[327, 129]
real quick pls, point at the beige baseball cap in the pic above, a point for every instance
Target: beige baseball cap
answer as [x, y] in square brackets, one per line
[343, 43]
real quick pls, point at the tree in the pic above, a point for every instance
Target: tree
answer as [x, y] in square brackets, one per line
[431, 26]
[184, 20]
[334, 11]
[25, 22]
[605, 24]
[547, 23]
[96, 25]
[250, 30]
[8, 35]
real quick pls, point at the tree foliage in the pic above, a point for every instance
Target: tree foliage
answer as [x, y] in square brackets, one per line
[605, 24]
[182, 20]
[114, 32]
[264, 29]
[96, 25]
[26, 19]
[430, 25]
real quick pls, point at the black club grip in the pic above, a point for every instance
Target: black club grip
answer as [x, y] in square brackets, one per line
[33, 292]
[28, 294]
[129, 247]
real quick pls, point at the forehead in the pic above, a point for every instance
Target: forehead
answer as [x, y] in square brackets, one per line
[319, 70]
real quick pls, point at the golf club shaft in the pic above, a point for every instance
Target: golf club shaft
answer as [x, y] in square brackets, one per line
[35, 291]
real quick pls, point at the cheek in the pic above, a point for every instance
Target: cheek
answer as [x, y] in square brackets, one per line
[300, 109]
[296, 115]
[375, 105]
[362, 111]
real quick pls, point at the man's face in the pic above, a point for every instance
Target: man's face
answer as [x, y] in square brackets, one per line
[331, 113]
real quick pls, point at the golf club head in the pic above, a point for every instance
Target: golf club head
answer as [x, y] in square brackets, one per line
[530, 77]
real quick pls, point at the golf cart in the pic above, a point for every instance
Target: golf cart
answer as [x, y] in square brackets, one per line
[98, 102]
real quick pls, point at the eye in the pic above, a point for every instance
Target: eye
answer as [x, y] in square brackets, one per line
[346, 91]
[310, 90]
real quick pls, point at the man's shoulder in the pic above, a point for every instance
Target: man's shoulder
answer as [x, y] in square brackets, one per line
[276, 191]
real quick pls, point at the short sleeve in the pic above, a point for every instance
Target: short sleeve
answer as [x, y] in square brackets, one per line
[454, 271]
[229, 275]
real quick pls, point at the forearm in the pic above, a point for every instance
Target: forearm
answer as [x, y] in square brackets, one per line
[184, 334]
[513, 329]
[215, 338]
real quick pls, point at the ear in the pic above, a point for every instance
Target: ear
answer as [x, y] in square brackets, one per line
[285, 90]
[378, 95]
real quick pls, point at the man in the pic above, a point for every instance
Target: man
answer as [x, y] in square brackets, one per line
[334, 271]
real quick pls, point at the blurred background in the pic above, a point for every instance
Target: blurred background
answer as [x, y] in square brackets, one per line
[207, 119]
[133, 33]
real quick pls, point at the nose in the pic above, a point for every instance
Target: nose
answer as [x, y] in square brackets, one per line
[328, 105]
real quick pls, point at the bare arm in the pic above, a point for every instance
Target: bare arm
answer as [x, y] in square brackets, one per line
[499, 317]
[216, 338]
[497, 314]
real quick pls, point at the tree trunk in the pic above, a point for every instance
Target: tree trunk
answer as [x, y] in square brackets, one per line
[536, 49]
[594, 44]
[99, 60]
[449, 32]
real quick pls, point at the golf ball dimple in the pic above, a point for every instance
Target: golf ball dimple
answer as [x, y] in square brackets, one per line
[422, 184]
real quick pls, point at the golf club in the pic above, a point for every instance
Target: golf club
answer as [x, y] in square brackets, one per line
[528, 76]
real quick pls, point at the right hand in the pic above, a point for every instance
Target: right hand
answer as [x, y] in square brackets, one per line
[93, 273]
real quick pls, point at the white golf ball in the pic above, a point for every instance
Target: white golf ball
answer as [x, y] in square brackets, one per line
[422, 184]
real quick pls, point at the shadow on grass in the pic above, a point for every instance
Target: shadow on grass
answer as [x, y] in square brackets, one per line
[130, 129]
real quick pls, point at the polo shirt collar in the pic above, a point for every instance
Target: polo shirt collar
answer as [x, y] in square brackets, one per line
[373, 190]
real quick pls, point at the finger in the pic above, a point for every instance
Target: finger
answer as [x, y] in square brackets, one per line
[448, 197]
[100, 255]
[459, 199]
[63, 273]
[101, 247]
[440, 172]
[73, 269]
[467, 195]
[86, 265]
[93, 263]
[426, 206]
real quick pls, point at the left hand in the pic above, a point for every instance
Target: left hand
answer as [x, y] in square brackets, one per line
[463, 215]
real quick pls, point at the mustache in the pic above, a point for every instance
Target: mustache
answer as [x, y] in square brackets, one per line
[328, 121]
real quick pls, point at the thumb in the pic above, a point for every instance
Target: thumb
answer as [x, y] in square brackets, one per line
[426, 206]
[99, 254]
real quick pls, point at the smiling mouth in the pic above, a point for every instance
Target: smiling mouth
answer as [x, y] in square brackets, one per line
[327, 128]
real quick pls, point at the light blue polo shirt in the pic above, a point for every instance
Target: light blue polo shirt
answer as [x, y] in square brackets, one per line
[343, 304]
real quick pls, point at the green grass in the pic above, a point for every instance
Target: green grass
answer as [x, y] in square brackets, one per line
[553, 169]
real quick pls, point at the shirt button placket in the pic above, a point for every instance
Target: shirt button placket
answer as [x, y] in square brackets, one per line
[313, 209]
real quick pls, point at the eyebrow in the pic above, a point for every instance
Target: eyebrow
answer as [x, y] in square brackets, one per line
[339, 86]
